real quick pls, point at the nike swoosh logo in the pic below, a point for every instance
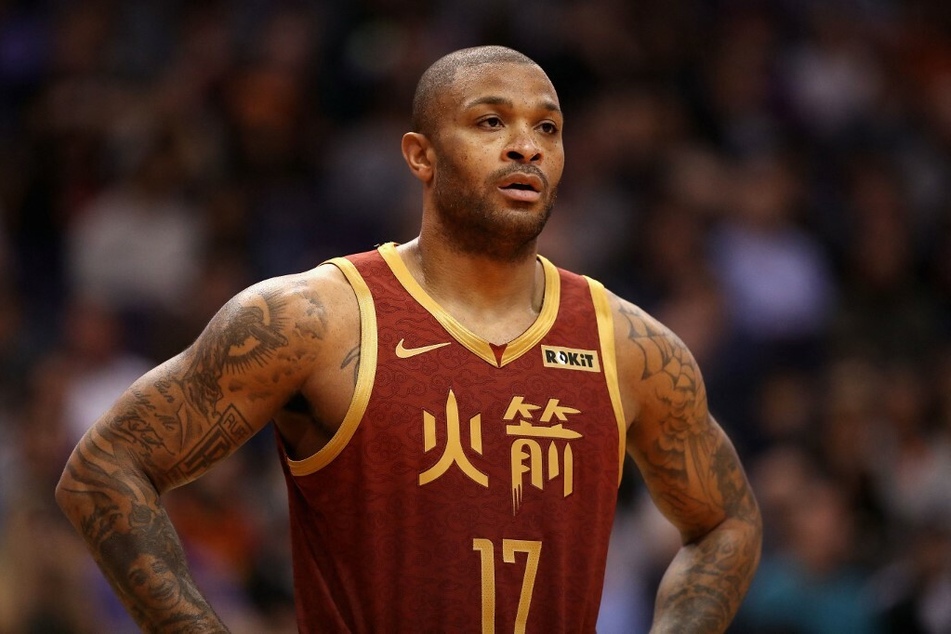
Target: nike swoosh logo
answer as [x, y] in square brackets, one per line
[405, 353]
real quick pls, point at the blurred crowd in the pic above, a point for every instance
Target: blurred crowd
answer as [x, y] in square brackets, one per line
[771, 179]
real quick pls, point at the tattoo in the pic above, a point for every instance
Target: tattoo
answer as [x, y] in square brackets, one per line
[316, 325]
[680, 393]
[173, 430]
[705, 614]
[711, 582]
[131, 536]
[132, 430]
[352, 357]
[731, 482]
[148, 560]
[229, 431]
[130, 427]
[699, 477]
[252, 336]
[663, 352]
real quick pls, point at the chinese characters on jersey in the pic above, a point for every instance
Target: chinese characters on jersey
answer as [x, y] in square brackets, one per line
[540, 449]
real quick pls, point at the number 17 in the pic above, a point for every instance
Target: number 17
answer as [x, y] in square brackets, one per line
[486, 551]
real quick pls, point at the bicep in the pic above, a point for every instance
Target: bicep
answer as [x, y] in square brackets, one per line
[692, 473]
[194, 410]
[687, 461]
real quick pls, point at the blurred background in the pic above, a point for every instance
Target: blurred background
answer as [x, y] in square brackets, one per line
[770, 179]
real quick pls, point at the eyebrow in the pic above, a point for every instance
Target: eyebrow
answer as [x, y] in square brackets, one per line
[546, 104]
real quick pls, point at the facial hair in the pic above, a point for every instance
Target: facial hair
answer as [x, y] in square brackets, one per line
[475, 227]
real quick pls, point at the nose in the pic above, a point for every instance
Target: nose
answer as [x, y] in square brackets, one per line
[522, 147]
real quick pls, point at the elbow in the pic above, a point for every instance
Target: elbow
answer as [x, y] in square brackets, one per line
[86, 482]
[67, 489]
[745, 514]
[757, 534]
[750, 514]
[98, 478]
[60, 493]
[742, 528]
[747, 525]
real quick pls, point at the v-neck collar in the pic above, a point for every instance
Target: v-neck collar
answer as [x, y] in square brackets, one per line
[476, 344]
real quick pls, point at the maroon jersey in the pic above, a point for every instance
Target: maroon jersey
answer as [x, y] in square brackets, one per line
[471, 487]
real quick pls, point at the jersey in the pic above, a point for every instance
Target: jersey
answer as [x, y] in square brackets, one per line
[470, 487]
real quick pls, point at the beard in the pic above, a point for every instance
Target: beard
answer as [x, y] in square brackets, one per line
[472, 225]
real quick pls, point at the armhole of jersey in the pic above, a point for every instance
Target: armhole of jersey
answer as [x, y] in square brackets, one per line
[365, 376]
[606, 337]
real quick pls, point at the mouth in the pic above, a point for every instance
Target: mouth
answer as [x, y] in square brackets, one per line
[521, 187]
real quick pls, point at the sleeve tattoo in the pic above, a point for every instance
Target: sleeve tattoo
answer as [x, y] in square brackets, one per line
[697, 479]
[165, 431]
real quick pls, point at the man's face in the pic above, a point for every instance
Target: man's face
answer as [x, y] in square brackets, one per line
[499, 158]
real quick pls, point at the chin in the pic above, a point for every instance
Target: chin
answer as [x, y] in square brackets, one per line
[513, 235]
[504, 231]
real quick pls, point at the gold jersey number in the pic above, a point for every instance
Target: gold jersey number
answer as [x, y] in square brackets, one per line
[486, 550]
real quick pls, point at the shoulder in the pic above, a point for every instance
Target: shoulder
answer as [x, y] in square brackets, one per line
[642, 337]
[314, 306]
[655, 367]
[313, 293]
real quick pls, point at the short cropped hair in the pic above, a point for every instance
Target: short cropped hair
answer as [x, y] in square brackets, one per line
[441, 75]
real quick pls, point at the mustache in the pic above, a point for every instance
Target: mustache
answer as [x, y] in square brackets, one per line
[518, 169]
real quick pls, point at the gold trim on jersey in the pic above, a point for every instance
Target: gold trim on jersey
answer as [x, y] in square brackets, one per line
[476, 344]
[609, 361]
[365, 376]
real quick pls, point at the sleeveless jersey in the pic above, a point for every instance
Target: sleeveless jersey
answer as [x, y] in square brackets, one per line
[470, 488]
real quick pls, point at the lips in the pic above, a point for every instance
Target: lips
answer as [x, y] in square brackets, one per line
[521, 187]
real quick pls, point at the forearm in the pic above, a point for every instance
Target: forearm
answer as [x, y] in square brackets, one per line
[118, 513]
[707, 580]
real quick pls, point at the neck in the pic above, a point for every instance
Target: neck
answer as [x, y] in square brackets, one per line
[447, 272]
[495, 299]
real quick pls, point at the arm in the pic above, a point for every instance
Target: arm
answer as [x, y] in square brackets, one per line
[693, 474]
[171, 426]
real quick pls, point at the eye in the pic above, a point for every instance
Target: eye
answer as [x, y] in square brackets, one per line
[492, 122]
[548, 127]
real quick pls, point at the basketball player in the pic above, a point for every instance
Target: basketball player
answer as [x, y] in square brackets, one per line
[452, 413]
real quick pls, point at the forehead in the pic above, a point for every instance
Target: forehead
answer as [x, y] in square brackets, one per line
[520, 84]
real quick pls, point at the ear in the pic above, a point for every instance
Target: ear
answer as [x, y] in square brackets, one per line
[419, 155]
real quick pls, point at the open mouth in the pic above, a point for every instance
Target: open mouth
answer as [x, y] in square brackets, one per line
[521, 186]
[520, 192]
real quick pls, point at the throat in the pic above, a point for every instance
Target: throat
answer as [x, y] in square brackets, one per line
[495, 302]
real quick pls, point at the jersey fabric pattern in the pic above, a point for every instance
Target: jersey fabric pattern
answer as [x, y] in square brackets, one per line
[470, 488]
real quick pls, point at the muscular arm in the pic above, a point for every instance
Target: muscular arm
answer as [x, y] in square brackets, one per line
[171, 426]
[694, 477]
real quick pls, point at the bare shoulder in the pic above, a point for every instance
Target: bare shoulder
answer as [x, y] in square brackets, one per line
[303, 305]
[291, 320]
[278, 333]
[320, 288]
[656, 368]
[260, 349]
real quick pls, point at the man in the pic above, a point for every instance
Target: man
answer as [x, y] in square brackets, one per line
[452, 412]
